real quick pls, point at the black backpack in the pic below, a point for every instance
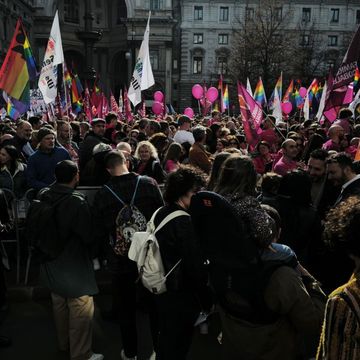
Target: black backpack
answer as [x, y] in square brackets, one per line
[236, 273]
[129, 220]
[42, 231]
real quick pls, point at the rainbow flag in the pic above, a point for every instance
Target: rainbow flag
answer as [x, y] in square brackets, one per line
[221, 91]
[67, 75]
[259, 93]
[74, 91]
[11, 111]
[299, 101]
[278, 87]
[356, 78]
[226, 100]
[289, 92]
[312, 90]
[18, 67]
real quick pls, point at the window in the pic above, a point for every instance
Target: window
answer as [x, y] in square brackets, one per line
[278, 13]
[358, 16]
[223, 39]
[249, 13]
[154, 59]
[155, 5]
[306, 14]
[330, 64]
[198, 38]
[198, 13]
[197, 65]
[304, 40]
[332, 40]
[222, 65]
[335, 15]
[224, 13]
[71, 11]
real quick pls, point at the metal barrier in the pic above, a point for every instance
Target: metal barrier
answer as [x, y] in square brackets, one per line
[17, 208]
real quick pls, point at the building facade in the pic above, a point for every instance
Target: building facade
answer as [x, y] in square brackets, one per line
[208, 35]
[190, 42]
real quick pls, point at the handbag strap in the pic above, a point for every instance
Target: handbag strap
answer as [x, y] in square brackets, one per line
[118, 197]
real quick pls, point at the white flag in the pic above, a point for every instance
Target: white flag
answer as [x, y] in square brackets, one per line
[143, 77]
[277, 112]
[248, 87]
[322, 103]
[53, 56]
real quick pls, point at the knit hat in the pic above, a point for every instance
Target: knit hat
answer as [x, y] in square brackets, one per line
[44, 132]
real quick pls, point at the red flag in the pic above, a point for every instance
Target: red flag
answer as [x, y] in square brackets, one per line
[113, 104]
[127, 107]
[87, 107]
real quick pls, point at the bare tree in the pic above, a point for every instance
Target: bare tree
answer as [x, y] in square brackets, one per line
[263, 46]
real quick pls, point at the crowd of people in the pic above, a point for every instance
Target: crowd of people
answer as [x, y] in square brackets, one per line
[295, 191]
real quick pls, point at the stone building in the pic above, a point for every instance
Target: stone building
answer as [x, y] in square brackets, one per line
[207, 34]
[190, 42]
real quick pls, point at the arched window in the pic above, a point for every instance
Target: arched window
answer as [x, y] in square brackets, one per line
[121, 11]
[71, 11]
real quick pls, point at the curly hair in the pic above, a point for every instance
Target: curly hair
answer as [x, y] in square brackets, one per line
[342, 226]
[183, 180]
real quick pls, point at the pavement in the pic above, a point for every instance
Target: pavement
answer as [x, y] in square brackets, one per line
[28, 321]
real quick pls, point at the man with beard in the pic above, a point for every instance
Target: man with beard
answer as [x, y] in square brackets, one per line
[323, 192]
[336, 134]
[287, 162]
[341, 172]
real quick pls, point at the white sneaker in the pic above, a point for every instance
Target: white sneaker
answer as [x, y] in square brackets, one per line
[124, 357]
[96, 357]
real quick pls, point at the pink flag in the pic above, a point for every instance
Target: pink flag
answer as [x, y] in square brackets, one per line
[251, 116]
[349, 96]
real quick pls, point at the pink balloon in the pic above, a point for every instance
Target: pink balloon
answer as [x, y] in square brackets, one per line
[197, 91]
[212, 94]
[158, 96]
[286, 107]
[157, 108]
[189, 112]
[302, 92]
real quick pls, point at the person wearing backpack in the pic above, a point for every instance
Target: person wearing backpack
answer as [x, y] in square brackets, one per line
[121, 207]
[187, 294]
[69, 273]
[287, 304]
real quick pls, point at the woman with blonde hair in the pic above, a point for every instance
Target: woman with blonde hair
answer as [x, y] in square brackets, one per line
[148, 161]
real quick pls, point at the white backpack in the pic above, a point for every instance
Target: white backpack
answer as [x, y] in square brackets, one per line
[145, 251]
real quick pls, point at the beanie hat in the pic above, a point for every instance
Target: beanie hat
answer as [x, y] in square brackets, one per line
[44, 132]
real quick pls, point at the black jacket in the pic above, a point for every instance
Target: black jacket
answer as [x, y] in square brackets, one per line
[177, 241]
[106, 208]
[153, 169]
[71, 274]
[87, 146]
